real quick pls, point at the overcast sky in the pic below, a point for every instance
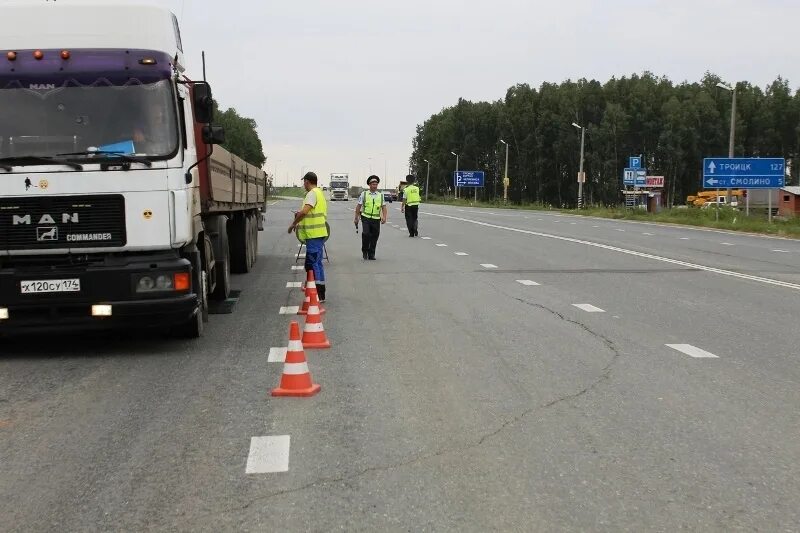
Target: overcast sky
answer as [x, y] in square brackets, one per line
[333, 83]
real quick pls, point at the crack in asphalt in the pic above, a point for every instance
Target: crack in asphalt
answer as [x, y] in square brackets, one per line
[603, 376]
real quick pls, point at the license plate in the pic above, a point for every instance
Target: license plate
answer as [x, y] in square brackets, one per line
[49, 285]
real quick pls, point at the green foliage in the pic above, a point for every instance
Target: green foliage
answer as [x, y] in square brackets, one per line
[673, 126]
[240, 136]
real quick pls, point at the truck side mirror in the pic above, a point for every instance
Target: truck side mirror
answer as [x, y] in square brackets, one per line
[213, 134]
[203, 103]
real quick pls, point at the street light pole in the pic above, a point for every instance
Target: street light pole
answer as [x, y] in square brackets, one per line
[505, 176]
[580, 170]
[455, 178]
[731, 141]
[427, 178]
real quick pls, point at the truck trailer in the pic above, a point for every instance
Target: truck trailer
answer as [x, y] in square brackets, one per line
[116, 210]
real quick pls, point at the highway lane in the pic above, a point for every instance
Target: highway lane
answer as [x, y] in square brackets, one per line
[454, 397]
[745, 252]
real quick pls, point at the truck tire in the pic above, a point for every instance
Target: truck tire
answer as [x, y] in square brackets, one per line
[219, 238]
[253, 225]
[193, 328]
[239, 244]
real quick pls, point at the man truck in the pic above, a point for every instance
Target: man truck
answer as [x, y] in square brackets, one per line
[116, 210]
[339, 187]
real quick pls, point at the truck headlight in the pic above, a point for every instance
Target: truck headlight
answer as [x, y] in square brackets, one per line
[3, 313]
[167, 282]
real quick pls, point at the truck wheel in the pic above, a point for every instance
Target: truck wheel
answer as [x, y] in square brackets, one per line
[219, 238]
[249, 229]
[255, 237]
[194, 327]
[239, 245]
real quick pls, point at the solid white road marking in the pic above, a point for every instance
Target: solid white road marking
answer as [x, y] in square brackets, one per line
[290, 310]
[441, 245]
[268, 454]
[527, 282]
[705, 268]
[462, 253]
[294, 284]
[277, 355]
[589, 308]
[692, 351]
[488, 265]
[297, 267]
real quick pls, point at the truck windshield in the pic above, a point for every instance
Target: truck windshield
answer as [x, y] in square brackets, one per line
[137, 118]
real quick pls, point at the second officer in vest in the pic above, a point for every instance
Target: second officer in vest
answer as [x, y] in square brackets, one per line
[411, 201]
[312, 229]
[372, 210]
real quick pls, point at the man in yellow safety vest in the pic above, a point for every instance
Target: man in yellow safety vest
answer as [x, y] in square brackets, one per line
[411, 201]
[372, 210]
[312, 229]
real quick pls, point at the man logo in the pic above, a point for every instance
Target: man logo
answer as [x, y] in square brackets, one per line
[47, 234]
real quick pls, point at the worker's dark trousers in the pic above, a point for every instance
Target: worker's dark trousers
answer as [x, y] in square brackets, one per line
[369, 237]
[412, 211]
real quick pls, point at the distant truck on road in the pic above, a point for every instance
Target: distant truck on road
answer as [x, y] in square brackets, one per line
[114, 212]
[339, 187]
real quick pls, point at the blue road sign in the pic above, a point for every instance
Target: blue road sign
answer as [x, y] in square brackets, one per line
[743, 172]
[634, 176]
[469, 178]
[635, 162]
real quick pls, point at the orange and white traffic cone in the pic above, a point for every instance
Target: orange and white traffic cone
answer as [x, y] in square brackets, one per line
[296, 378]
[313, 331]
[311, 285]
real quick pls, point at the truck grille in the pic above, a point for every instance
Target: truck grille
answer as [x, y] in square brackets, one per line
[47, 222]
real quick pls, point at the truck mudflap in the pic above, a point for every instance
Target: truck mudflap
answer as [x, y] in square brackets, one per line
[97, 296]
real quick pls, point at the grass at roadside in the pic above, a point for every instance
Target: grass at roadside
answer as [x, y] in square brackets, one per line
[294, 192]
[729, 219]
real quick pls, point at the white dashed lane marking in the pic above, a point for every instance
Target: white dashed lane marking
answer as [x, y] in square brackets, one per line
[727, 244]
[693, 351]
[782, 251]
[277, 355]
[268, 454]
[527, 282]
[462, 253]
[426, 238]
[290, 310]
[294, 284]
[589, 308]
[488, 265]
[684, 238]
[634, 253]
[648, 234]
[441, 245]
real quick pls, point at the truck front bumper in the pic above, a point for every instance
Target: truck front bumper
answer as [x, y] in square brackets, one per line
[102, 283]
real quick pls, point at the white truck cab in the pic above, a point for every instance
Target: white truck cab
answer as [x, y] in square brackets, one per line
[101, 218]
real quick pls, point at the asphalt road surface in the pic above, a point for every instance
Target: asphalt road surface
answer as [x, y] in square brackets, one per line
[506, 371]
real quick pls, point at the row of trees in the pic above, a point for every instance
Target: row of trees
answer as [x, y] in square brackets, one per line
[671, 126]
[241, 137]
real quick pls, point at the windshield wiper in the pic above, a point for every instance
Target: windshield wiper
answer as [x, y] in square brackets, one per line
[25, 160]
[124, 157]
